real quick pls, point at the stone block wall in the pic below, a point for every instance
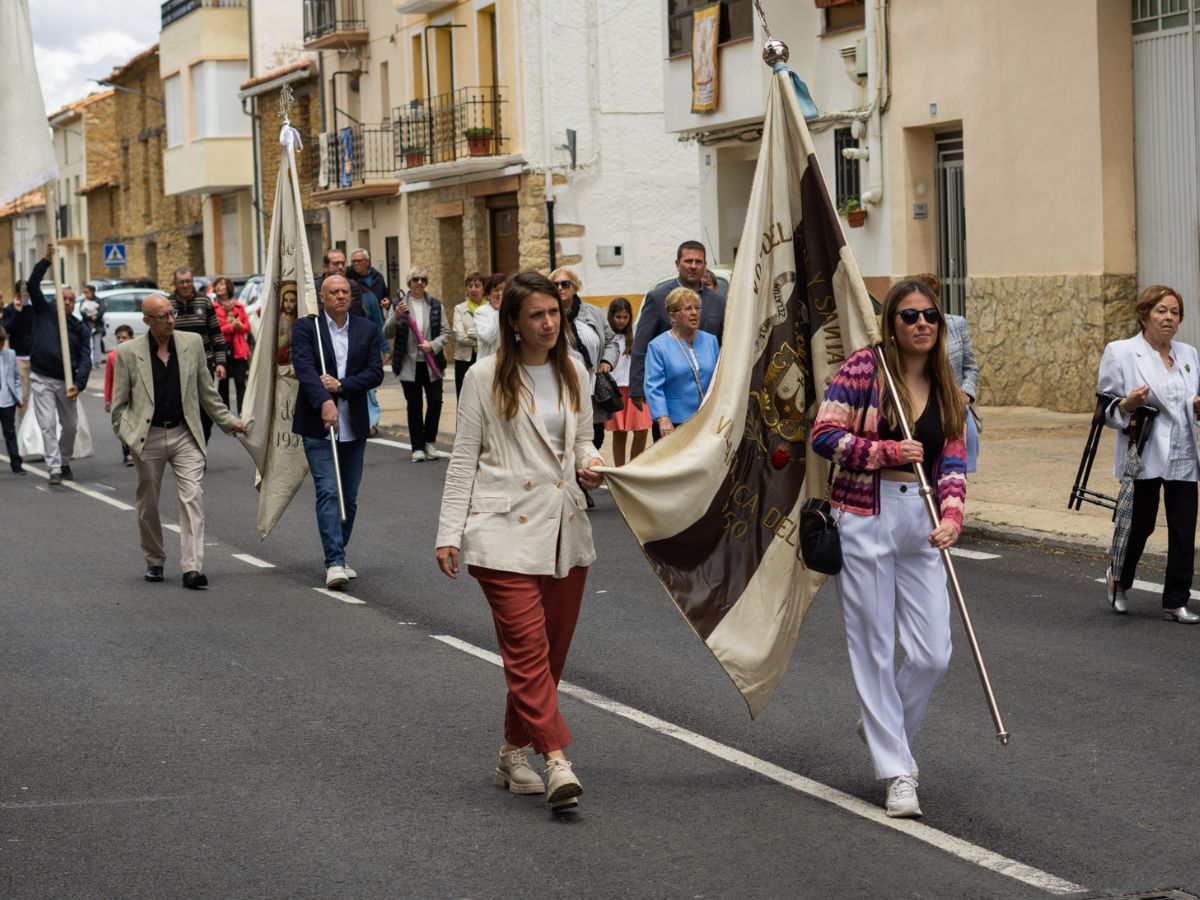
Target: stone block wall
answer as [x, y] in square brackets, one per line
[8, 272]
[305, 118]
[1038, 338]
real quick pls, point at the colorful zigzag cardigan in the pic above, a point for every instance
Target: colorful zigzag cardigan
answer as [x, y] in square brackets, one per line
[860, 456]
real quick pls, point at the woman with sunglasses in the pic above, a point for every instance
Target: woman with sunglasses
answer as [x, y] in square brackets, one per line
[892, 575]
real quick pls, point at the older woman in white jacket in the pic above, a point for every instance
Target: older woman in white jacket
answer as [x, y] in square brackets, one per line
[1151, 367]
[511, 509]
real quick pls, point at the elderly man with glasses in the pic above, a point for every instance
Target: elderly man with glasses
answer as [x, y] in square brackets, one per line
[160, 385]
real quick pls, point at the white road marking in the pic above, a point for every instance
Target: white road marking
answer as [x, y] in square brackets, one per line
[948, 843]
[1150, 587]
[87, 492]
[972, 554]
[254, 560]
[174, 528]
[389, 443]
[338, 595]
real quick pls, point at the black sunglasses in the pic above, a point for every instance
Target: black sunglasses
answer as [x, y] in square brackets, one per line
[564, 284]
[909, 316]
[419, 279]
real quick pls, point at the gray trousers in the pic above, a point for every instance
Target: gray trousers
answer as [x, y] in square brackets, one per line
[177, 448]
[52, 408]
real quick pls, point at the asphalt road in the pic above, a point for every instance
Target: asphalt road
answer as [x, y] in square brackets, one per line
[263, 739]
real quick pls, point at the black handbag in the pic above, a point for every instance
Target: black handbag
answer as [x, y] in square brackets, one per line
[606, 395]
[820, 541]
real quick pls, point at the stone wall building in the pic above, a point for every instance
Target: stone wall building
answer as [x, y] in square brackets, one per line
[126, 200]
[265, 90]
[1007, 172]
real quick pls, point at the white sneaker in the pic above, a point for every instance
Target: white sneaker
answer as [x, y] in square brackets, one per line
[419, 456]
[902, 798]
[434, 453]
[336, 577]
[1116, 596]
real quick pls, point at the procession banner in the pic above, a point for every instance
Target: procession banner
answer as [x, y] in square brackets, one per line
[27, 154]
[716, 504]
[706, 24]
[272, 386]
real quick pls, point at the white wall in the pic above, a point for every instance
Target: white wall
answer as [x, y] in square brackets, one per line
[636, 184]
[278, 34]
[744, 81]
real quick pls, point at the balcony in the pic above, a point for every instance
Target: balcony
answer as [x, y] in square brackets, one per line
[174, 10]
[457, 126]
[334, 24]
[356, 163]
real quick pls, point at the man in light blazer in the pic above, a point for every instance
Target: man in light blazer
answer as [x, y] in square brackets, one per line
[160, 384]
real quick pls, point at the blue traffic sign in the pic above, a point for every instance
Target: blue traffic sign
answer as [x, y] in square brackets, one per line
[114, 255]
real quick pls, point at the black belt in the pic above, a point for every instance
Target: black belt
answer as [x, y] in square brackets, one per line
[167, 424]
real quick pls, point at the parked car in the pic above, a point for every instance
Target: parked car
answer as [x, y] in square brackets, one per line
[108, 284]
[122, 306]
[251, 297]
[203, 285]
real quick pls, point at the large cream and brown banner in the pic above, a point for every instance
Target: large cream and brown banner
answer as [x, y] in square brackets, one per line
[289, 293]
[716, 504]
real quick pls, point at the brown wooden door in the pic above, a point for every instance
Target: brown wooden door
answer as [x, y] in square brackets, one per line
[505, 237]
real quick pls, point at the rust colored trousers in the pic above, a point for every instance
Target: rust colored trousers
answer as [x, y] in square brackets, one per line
[535, 619]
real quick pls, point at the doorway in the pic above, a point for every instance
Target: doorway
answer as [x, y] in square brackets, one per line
[951, 222]
[505, 238]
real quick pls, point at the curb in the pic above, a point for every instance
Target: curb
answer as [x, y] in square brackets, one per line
[1045, 540]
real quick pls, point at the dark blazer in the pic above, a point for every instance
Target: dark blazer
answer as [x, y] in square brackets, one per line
[653, 320]
[364, 371]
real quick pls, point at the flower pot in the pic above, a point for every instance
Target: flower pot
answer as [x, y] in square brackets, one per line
[479, 144]
[414, 158]
[857, 218]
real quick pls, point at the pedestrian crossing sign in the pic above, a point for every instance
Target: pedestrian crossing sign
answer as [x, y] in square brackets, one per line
[114, 255]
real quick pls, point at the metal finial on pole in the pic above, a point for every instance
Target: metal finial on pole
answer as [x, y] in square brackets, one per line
[775, 52]
[286, 101]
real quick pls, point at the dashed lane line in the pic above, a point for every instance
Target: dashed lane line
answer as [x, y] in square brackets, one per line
[1148, 586]
[972, 554]
[253, 561]
[386, 442]
[340, 595]
[948, 843]
[79, 488]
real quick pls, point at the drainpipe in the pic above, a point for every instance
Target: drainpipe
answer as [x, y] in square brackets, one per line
[256, 136]
[876, 82]
[547, 148]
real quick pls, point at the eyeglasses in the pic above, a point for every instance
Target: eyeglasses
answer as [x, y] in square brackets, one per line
[909, 316]
[420, 280]
[691, 307]
[564, 284]
[163, 317]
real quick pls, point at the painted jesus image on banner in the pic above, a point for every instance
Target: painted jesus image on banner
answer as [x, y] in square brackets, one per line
[705, 33]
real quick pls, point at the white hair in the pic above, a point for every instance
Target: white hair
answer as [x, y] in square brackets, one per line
[363, 250]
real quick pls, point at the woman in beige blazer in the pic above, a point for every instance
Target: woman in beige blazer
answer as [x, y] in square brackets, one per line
[512, 511]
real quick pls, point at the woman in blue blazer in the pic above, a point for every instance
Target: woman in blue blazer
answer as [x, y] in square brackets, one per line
[679, 363]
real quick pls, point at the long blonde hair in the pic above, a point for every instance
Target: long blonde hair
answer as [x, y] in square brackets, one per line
[507, 384]
[937, 364]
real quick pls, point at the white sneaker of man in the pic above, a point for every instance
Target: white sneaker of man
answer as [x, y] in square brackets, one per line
[434, 453]
[902, 798]
[419, 456]
[336, 577]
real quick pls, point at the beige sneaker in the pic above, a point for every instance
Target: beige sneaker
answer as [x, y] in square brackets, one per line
[562, 786]
[514, 772]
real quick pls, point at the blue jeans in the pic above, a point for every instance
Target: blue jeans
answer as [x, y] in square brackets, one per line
[335, 534]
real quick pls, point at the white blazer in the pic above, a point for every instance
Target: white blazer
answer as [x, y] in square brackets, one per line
[510, 503]
[1130, 363]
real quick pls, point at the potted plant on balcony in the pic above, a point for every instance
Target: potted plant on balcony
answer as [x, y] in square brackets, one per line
[414, 156]
[851, 208]
[479, 141]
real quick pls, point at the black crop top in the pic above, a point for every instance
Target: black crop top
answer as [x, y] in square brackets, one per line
[928, 430]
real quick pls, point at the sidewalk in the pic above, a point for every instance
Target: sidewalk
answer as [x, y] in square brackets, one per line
[1027, 465]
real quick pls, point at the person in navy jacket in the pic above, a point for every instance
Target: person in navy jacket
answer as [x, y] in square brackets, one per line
[336, 400]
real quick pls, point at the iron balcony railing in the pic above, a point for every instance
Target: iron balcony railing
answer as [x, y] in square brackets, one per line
[449, 126]
[174, 10]
[323, 17]
[352, 156]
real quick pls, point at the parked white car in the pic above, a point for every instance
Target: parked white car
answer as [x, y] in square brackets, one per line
[122, 306]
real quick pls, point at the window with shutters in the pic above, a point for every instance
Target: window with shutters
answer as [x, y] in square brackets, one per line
[737, 22]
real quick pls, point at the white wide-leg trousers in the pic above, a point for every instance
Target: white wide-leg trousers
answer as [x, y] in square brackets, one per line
[892, 579]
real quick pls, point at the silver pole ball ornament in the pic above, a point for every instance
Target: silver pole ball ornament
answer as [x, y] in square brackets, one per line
[775, 51]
